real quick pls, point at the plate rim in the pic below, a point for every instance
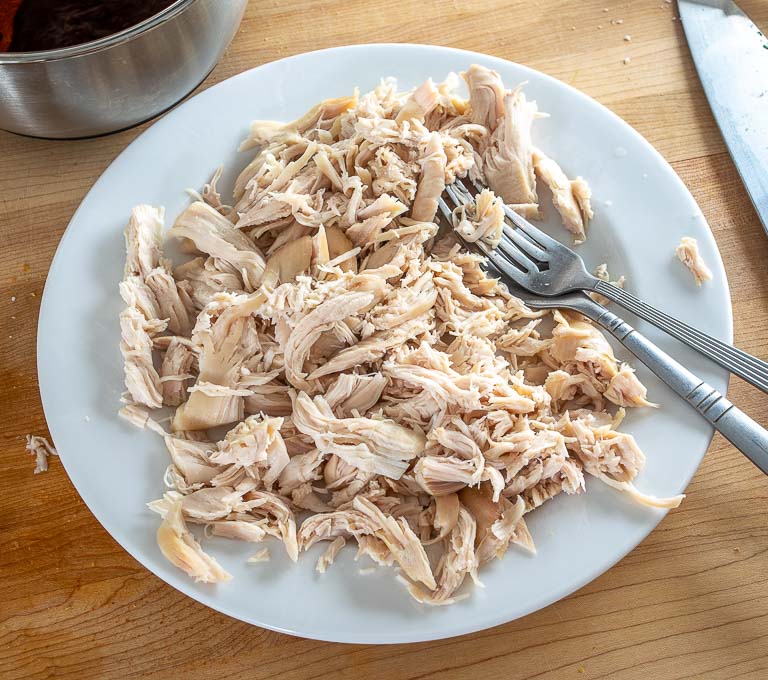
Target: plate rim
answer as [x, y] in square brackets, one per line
[362, 637]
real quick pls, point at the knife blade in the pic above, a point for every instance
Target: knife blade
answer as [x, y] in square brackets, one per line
[731, 57]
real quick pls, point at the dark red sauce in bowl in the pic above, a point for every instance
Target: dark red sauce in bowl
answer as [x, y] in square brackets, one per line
[53, 24]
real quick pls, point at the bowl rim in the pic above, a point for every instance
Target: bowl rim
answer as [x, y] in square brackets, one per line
[83, 49]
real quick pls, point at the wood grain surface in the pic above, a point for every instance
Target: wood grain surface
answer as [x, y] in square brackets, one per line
[690, 602]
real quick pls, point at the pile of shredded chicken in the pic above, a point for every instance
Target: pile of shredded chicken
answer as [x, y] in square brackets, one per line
[339, 371]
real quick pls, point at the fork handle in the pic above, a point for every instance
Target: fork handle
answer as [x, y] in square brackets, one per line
[735, 425]
[746, 366]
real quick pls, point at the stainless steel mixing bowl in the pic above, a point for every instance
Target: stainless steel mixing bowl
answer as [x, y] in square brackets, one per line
[118, 81]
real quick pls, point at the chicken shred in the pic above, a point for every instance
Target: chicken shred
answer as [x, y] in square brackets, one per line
[327, 558]
[508, 161]
[601, 272]
[183, 551]
[41, 449]
[481, 220]
[261, 555]
[373, 385]
[688, 253]
[571, 198]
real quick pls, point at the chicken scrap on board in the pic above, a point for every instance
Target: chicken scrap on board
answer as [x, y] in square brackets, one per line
[372, 384]
[41, 449]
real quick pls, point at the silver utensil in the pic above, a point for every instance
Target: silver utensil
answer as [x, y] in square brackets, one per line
[546, 267]
[118, 81]
[731, 57]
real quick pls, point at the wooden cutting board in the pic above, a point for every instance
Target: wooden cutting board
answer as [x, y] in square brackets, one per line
[690, 602]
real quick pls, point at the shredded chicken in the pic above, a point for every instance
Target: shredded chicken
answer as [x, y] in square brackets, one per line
[571, 198]
[327, 558]
[373, 386]
[481, 220]
[601, 272]
[261, 555]
[182, 549]
[688, 253]
[507, 163]
[40, 448]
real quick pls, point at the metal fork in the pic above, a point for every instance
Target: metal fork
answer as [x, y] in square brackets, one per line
[546, 267]
[735, 425]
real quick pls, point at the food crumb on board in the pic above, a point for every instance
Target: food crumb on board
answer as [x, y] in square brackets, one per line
[628, 38]
[617, 22]
[13, 298]
[41, 448]
[625, 60]
[581, 669]
[599, 26]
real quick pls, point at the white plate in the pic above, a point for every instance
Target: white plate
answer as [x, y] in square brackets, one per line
[642, 210]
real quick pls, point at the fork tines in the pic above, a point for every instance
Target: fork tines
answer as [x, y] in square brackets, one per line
[522, 249]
